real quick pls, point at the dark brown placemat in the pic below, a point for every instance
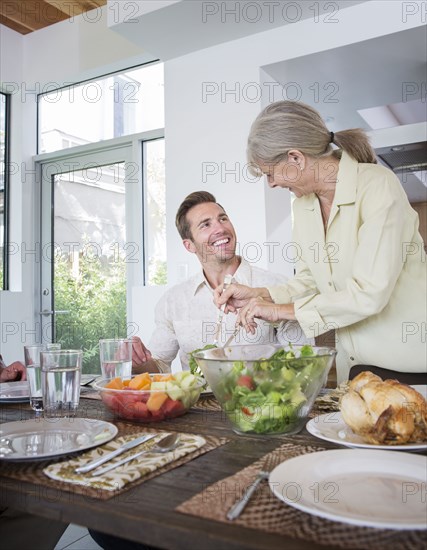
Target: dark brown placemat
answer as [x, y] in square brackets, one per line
[90, 393]
[33, 471]
[265, 512]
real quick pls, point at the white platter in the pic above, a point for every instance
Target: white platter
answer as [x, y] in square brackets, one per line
[331, 427]
[44, 438]
[380, 489]
[14, 392]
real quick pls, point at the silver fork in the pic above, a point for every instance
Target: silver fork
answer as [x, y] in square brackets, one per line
[269, 464]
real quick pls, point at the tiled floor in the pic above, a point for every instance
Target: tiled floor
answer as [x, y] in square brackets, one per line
[76, 538]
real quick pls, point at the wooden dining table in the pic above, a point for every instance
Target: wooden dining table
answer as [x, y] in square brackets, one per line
[147, 512]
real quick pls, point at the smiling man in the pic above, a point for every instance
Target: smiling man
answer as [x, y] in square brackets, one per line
[186, 315]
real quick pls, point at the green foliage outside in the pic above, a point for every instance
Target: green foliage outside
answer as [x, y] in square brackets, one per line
[157, 273]
[96, 300]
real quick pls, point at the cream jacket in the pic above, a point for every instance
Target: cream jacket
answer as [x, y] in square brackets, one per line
[366, 277]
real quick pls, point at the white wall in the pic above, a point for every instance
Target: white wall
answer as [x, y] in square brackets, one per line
[214, 129]
[70, 51]
[17, 306]
[197, 131]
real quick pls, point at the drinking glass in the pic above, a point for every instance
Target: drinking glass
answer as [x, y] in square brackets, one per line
[32, 364]
[116, 358]
[60, 374]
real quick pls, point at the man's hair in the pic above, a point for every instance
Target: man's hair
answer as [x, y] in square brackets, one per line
[193, 199]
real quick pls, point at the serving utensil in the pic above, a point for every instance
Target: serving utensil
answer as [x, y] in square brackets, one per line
[227, 281]
[164, 445]
[126, 447]
[228, 342]
[269, 464]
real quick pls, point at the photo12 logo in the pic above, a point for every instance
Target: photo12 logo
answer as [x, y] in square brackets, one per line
[254, 92]
[412, 11]
[268, 12]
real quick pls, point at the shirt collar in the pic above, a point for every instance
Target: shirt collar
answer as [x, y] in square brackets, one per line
[345, 191]
[242, 275]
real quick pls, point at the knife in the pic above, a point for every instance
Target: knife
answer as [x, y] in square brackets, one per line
[117, 452]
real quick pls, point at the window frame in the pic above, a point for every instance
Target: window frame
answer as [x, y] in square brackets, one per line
[135, 205]
[6, 191]
[86, 81]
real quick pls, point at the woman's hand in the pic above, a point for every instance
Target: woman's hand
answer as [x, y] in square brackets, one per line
[258, 308]
[14, 372]
[237, 296]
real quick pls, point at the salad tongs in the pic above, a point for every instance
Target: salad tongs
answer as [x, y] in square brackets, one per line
[227, 281]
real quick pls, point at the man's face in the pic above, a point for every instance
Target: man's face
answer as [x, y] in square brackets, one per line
[213, 236]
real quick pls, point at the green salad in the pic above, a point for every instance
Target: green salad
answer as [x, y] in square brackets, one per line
[270, 395]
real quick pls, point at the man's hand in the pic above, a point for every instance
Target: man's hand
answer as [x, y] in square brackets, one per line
[140, 355]
[14, 372]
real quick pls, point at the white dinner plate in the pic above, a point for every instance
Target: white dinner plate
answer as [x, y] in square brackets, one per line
[14, 392]
[331, 427]
[43, 438]
[371, 488]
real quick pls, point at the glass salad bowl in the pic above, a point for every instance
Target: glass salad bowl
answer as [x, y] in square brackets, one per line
[266, 389]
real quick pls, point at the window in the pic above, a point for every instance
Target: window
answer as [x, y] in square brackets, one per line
[113, 106]
[103, 220]
[4, 181]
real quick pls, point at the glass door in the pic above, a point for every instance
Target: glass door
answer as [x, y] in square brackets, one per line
[90, 232]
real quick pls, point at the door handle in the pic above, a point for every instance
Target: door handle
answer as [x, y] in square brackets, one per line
[46, 312]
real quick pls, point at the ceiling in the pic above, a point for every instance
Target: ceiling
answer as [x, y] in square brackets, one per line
[25, 16]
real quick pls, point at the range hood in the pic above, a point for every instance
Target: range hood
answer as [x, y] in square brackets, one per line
[408, 157]
[403, 149]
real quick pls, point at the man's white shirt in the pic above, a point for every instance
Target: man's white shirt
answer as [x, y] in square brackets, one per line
[186, 317]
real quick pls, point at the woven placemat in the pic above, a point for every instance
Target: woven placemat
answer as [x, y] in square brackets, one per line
[90, 393]
[207, 403]
[265, 512]
[33, 471]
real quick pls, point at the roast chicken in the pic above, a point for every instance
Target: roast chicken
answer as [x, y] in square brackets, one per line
[384, 412]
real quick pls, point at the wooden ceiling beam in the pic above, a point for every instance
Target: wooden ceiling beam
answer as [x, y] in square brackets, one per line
[75, 7]
[31, 15]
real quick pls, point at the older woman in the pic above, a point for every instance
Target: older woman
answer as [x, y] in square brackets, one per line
[361, 268]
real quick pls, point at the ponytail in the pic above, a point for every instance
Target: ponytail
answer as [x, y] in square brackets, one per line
[355, 142]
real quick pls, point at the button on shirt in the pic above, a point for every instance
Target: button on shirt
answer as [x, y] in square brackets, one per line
[186, 317]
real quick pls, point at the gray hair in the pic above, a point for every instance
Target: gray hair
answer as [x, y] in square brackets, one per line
[286, 125]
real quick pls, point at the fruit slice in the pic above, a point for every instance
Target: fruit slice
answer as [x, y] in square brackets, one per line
[140, 381]
[156, 400]
[115, 384]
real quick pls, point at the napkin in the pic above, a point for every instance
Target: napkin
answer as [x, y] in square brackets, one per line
[131, 471]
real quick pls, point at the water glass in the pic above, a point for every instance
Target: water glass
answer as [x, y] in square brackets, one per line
[116, 358]
[60, 374]
[32, 364]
